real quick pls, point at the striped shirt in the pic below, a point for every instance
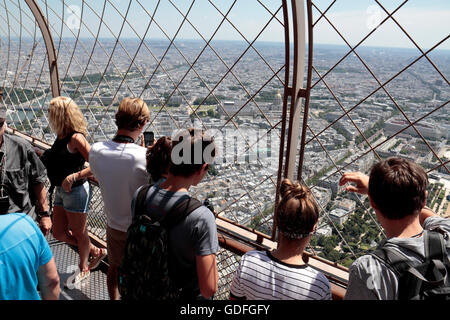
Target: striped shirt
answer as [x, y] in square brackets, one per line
[261, 276]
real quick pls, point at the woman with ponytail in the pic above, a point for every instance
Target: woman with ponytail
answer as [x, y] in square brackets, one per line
[283, 274]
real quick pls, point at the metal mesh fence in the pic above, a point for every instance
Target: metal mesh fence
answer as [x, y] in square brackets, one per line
[205, 70]
[187, 71]
[221, 66]
[367, 104]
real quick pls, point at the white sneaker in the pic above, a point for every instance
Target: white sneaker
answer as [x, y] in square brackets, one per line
[74, 281]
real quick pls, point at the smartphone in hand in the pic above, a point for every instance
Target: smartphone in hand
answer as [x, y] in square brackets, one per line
[149, 138]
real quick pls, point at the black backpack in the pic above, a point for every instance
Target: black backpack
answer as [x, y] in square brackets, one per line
[50, 161]
[144, 272]
[428, 280]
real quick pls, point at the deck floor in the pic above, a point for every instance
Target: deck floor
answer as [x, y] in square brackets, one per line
[67, 259]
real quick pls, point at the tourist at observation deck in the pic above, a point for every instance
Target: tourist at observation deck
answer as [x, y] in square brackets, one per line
[65, 168]
[397, 190]
[283, 274]
[25, 260]
[158, 159]
[22, 172]
[192, 240]
[119, 165]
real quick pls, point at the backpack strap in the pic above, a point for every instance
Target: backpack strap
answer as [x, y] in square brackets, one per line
[393, 259]
[434, 246]
[140, 200]
[179, 212]
[435, 253]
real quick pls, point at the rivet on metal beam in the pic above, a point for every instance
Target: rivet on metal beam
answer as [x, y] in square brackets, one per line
[302, 93]
[259, 239]
[289, 91]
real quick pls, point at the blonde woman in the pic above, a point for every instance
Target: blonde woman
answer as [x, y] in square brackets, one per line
[72, 190]
[283, 274]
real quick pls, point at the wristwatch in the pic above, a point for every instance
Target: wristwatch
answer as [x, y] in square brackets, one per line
[42, 214]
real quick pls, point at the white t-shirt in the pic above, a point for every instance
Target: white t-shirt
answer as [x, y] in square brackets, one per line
[120, 171]
[260, 276]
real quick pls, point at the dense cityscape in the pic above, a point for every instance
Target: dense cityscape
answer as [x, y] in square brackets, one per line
[241, 104]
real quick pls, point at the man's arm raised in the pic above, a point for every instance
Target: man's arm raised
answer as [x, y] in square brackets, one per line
[360, 179]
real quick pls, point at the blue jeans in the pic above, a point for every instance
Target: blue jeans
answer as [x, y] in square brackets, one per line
[76, 201]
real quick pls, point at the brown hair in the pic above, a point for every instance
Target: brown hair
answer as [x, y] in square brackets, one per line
[398, 187]
[65, 117]
[132, 113]
[198, 141]
[158, 158]
[297, 211]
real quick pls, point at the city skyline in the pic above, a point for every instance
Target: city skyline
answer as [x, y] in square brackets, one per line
[426, 22]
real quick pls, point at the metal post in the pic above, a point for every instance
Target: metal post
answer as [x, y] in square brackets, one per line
[307, 92]
[296, 93]
[298, 12]
[48, 40]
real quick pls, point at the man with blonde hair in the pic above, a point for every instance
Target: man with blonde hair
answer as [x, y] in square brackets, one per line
[120, 168]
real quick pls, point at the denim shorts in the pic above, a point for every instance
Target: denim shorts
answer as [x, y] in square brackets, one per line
[76, 201]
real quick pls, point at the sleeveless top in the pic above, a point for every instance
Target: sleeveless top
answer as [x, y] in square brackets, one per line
[68, 163]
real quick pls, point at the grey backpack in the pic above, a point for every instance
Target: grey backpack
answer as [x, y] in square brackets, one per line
[427, 280]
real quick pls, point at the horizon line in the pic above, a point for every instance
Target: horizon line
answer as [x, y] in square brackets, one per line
[236, 40]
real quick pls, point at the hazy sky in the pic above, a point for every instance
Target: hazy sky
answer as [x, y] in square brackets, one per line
[427, 21]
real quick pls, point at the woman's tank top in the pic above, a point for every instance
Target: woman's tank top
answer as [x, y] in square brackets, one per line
[68, 163]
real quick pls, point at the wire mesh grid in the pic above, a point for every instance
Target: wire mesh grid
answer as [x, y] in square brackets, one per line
[205, 70]
[228, 262]
[113, 49]
[108, 50]
[368, 104]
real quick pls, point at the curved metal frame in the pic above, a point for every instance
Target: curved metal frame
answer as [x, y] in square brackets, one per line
[293, 121]
[307, 93]
[50, 46]
[296, 93]
[45, 28]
